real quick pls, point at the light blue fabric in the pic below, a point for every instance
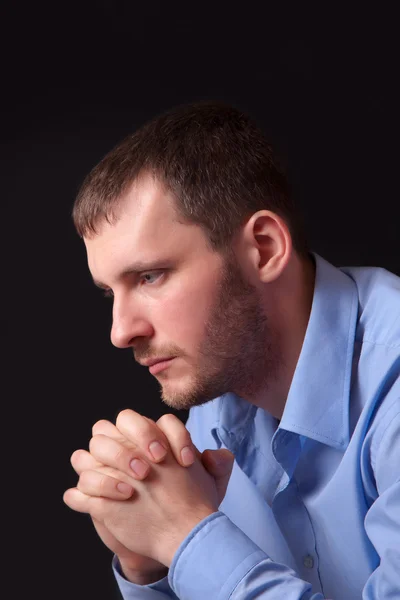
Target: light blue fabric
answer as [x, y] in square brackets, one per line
[312, 508]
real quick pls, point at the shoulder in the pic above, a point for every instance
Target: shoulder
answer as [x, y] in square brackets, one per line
[379, 305]
[375, 389]
[385, 445]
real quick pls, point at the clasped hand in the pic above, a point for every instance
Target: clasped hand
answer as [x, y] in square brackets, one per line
[151, 513]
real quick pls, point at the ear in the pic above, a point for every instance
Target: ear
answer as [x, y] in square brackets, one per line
[268, 245]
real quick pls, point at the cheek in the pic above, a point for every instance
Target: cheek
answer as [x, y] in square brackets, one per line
[183, 316]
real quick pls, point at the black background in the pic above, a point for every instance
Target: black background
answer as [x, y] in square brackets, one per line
[76, 78]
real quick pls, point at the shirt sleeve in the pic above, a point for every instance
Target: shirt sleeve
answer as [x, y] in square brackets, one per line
[217, 560]
[159, 590]
[382, 522]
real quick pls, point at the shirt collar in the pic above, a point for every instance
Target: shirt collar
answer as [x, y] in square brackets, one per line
[234, 416]
[318, 401]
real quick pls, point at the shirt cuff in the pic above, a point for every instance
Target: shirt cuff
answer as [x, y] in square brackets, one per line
[217, 560]
[159, 590]
[210, 562]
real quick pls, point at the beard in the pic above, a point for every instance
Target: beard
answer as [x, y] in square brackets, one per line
[239, 351]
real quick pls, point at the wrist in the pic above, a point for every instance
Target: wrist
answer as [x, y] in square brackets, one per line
[143, 577]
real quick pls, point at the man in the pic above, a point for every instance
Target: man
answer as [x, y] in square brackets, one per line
[285, 362]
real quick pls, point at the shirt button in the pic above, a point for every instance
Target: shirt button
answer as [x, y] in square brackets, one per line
[308, 561]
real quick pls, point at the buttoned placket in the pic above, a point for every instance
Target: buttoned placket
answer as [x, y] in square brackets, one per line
[289, 510]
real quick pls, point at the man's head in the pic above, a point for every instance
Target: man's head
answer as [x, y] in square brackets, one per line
[213, 159]
[187, 222]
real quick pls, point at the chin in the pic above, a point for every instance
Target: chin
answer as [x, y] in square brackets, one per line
[181, 399]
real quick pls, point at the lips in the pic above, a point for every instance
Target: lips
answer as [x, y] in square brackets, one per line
[162, 364]
[153, 361]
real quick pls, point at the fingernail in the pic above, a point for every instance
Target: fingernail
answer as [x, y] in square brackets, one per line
[157, 450]
[124, 488]
[139, 467]
[187, 456]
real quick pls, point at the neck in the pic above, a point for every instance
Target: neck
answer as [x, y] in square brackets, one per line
[289, 309]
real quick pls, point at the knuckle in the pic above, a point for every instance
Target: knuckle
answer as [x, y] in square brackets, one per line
[174, 430]
[103, 485]
[99, 425]
[94, 443]
[78, 460]
[124, 416]
[167, 419]
[74, 460]
[122, 457]
[141, 430]
[83, 481]
[186, 439]
[146, 433]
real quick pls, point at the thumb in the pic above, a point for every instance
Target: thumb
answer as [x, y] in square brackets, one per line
[219, 464]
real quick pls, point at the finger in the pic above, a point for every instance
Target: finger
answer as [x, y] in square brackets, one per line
[104, 427]
[95, 507]
[114, 454]
[179, 439]
[82, 460]
[107, 428]
[76, 500]
[144, 434]
[95, 483]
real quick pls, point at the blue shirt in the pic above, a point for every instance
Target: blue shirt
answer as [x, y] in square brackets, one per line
[312, 509]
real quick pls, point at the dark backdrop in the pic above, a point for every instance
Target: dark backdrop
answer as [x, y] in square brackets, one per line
[76, 79]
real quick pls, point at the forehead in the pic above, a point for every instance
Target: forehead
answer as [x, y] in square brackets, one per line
[147, 228]
[144, 211]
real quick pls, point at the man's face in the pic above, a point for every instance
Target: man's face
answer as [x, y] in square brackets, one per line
[175, 298]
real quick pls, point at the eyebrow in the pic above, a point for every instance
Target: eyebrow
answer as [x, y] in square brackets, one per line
[133, 269]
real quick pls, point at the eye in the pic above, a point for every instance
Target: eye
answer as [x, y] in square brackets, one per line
[148, 278]
[144, 278]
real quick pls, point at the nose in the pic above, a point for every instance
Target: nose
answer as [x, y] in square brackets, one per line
[128, 326]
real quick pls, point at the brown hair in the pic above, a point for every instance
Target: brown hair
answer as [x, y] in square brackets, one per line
[211, 156]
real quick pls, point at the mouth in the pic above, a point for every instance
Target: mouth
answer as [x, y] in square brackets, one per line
[155, 368]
